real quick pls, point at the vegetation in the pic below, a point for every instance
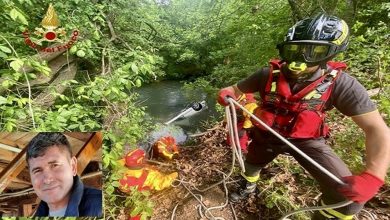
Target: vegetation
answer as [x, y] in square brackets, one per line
[124, 45]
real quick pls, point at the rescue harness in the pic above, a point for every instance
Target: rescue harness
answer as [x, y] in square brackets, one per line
[289, 113]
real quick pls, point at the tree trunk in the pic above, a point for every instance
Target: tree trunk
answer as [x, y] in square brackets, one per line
[45, 98]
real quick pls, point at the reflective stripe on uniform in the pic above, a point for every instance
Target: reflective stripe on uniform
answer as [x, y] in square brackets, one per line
[317, 94]
[251, 179]
[162, 147]
[273, 85]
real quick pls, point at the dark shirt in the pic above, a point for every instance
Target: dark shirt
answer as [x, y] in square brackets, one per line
[348, 95]
[83, 201]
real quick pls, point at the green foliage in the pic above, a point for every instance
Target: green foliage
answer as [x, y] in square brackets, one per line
[113, 150]
[193, 90]
[203, 36]
[348, 141]
[368, 53]
[279, 195]
[126, 44]
[111, 62]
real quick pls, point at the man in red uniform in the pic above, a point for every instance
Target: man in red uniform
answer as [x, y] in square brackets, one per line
[295, 94]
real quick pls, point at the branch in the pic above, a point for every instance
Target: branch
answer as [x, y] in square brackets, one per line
[295, 11]
[153, 30]
[55, 65]
[45, 98]
[380, 75]
[112, 31]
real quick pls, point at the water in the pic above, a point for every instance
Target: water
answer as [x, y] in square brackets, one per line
[165, 100]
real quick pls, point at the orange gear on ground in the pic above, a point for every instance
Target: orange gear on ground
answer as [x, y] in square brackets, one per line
[166, 147]
[146, 178]
[137, 217]
[135, 158]
[143, 177]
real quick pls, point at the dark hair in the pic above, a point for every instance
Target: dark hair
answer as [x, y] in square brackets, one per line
[44, 140]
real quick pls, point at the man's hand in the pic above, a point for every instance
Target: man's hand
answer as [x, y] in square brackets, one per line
[360, 188]
[223, 94]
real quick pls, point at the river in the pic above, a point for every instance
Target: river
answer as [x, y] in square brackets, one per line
[165, 100]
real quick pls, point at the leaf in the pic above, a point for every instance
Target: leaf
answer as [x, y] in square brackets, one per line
[5, 84]
[110, 190]
[134, 68]
[20, 104]
[107, 92]
[5, 49]
[14, 14]
[3, 55]
[106, 161]
[115, 184]
[3, 100]
[96, 35]
[9, 126]
[80, 53]
[136, 211]
[71, 127]
[22, 19]
[115, 90]
[151, 59]
[144, 217]
[16, 64]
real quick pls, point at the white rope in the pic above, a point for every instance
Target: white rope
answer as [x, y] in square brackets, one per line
[313, 162]
[232, 102]
[236, 137]
[234, 142]
[226, 193]
[236, 148]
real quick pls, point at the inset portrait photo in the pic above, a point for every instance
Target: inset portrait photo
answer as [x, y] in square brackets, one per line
[51, 174]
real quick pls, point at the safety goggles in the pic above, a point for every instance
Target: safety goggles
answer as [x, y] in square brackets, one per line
[305, 51]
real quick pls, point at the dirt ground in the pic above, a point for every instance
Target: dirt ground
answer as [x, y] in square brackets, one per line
[207, 160]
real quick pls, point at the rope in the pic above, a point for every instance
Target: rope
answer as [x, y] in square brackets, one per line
[231, 118]
[201, 207]
[230, 112]
[313, 162]
[232, 102]
[236, 148]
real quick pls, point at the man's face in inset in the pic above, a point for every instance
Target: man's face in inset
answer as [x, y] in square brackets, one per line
[52, 176]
